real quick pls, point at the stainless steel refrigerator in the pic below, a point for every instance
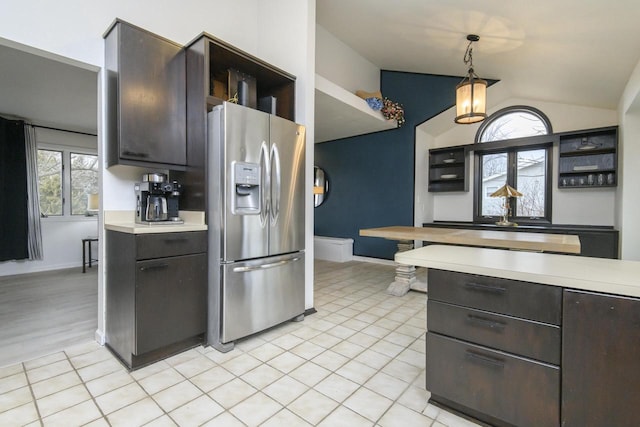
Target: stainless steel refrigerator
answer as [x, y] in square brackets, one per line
[255, 215]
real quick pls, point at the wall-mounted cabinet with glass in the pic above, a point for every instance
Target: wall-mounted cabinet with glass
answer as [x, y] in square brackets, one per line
[588, 159]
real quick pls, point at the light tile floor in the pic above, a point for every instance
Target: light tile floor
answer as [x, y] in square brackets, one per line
[359, 361]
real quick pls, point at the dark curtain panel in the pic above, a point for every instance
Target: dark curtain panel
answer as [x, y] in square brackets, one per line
[13, 191]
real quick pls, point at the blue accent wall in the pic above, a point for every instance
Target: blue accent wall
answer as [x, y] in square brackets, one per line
[372, 176]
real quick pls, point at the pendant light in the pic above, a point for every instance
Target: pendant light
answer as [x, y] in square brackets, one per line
[471, 92]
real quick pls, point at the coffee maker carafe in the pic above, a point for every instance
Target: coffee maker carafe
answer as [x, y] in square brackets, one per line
[157, 200]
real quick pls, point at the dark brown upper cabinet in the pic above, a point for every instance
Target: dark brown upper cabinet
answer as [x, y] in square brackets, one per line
[215, 71]
[146, 99]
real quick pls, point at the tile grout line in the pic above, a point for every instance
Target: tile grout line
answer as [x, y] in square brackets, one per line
[33, 396]
[84, 384]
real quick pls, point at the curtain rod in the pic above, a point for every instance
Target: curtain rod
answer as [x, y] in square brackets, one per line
[64, 130]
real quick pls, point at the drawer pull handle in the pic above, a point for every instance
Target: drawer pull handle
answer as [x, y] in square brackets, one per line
[483, 321]
[154, 267]
[135, 154]
[487, 360]
[485, 288]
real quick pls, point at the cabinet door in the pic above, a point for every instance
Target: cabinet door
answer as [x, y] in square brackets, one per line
[600, 357]
[171, 301]
[152, 98]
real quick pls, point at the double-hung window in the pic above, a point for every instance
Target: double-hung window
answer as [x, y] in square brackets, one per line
[510, 157]
[66, 177]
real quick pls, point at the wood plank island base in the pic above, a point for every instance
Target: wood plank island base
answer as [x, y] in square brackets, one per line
[405, 274]
[532, 339]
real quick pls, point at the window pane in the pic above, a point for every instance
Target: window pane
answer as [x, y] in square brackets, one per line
[50, 182]
[84, 181]
[494, 176]
[515, 124]
[531, 182]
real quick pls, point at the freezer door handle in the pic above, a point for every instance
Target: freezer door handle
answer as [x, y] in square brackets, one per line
[264, 184]
[275, 183]
[264, 266]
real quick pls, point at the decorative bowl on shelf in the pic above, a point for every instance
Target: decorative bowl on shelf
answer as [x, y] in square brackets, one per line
[448, 160]
[449, 176]
[586, 168]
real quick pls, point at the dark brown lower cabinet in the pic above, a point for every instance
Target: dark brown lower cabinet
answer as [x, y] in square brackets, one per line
[513, 353]
[600, 360]
[510, 390]
[156, 294]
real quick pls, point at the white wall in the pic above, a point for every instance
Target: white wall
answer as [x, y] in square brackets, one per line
[61, 244]
[423, 206]
[583, 207]
[342, 65]
[628, 202]
[275, 31]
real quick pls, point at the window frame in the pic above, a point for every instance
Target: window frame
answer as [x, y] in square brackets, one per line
[512, 154]
[509, 110]
[70, 186]
[512, 147]
[66, 151]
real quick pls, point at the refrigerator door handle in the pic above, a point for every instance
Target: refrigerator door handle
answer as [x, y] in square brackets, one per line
[275, 186]
[264, 266]
[265, 183]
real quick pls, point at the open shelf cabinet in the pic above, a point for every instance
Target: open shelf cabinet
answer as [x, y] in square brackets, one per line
[588, 159]
[448, 169]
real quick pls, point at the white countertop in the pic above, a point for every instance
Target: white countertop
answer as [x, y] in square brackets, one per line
[124, 222]
[586, 273]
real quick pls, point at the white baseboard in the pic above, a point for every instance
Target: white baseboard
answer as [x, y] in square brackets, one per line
[100, 337]
[373, 260]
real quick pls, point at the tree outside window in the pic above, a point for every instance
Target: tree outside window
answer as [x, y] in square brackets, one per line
[62, 176]
[50, 182]
[84, 181]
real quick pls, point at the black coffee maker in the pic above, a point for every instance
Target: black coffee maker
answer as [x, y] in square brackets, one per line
[157, 200]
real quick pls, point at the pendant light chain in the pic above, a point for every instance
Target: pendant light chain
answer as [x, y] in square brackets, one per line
[468, 55]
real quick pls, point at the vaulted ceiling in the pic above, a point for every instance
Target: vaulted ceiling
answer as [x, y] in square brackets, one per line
[579, 52]
[572, 51]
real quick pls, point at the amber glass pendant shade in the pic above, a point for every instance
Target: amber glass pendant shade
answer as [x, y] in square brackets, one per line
[471, 100]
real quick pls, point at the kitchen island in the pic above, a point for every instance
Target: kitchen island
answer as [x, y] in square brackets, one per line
[405, 274]
[532, 339]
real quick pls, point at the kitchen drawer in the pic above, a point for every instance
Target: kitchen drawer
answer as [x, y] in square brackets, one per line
[527, 338]
[170, 244]
[515, 390]
[531, 301]
[170, 301]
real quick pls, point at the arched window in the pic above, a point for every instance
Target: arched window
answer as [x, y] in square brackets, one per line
[518, 160]
[514, 122]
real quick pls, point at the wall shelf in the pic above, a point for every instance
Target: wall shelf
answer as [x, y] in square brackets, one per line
[448, 169]
[341, 114]
[588, 159]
